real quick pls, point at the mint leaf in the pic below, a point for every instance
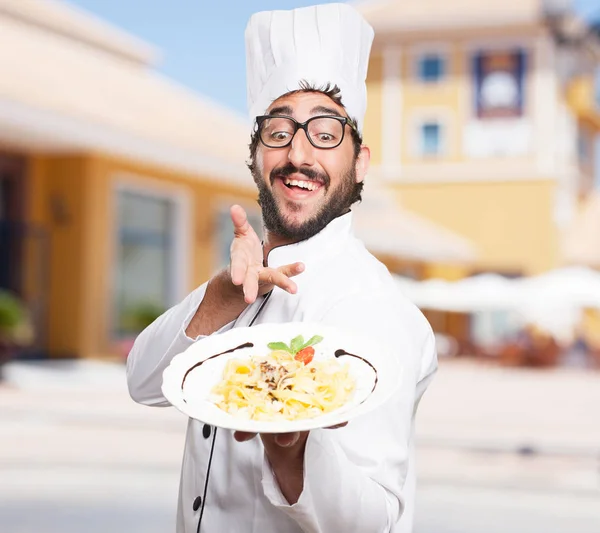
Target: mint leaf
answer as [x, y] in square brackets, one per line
[314, 340]
[279, 346]
[296, 344]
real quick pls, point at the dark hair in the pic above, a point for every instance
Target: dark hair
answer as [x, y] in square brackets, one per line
[333, 92]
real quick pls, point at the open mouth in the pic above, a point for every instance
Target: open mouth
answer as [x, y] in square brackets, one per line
[301, 185]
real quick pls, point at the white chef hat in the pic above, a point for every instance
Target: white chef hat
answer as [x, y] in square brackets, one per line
[321, 44]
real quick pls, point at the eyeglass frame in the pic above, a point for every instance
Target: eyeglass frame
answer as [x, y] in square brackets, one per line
[304, 126]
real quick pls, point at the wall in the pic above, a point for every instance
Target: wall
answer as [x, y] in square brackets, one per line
[444, 101]
[73, 198]
[372, 126]
[510, 222]
[57, 203]
[504, 204]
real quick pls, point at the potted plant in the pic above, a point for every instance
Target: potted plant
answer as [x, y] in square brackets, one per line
[16, 330]
[134, 320]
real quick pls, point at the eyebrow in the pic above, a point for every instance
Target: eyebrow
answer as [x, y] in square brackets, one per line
[281, 110]
[325, 110]
[320, 109]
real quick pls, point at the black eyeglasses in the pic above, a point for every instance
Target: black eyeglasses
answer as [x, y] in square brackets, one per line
[323, 131]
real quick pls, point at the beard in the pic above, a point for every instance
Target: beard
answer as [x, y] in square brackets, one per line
[339, 202]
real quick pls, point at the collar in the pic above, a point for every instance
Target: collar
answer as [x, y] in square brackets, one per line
[331, 238]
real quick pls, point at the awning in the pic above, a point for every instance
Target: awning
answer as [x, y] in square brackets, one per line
[388, 229]
[399, 15]
[62, 91]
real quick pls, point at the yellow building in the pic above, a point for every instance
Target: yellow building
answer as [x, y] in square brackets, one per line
[114, 180]
[116, 183]
[482, 118]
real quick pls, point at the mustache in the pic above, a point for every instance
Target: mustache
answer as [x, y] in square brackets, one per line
[289, 169]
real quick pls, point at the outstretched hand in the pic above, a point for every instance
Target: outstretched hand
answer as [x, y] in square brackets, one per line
[247, 269]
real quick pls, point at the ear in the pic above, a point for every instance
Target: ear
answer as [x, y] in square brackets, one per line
[362, 164]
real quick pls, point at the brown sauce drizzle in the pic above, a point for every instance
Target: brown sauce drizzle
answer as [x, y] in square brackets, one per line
[245, 345]
[340, 352]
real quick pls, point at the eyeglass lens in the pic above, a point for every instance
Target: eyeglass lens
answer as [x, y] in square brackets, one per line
[324, 132]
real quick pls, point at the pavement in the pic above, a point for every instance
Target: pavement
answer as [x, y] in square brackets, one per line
[498, 450]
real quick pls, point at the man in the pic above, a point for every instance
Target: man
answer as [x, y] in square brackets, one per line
[307, 95]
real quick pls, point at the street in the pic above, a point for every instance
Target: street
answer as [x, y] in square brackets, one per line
[77, 455]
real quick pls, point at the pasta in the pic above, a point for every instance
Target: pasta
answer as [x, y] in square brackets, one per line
[286, 384]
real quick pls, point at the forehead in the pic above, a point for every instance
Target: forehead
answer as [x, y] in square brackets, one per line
[303, 105]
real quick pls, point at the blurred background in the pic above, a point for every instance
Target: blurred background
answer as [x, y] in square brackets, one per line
[123, 141]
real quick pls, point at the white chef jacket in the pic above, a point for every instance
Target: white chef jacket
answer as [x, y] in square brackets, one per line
[360, 478]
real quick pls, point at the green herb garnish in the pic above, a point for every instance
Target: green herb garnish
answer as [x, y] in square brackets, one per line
[297, 344]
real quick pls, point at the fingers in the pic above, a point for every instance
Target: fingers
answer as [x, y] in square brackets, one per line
[270, 276]
[280, 277]
[251, 281]
[243, 436]
[252, 277]
[292, 270]
[241, 226]
[238, 267]
[337, 426]
[286, 440]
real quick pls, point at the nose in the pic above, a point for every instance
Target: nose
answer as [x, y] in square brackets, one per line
[301, 152]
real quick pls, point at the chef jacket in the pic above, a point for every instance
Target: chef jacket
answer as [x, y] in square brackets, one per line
[359, 478]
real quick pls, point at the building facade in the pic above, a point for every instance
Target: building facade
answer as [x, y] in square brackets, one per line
[114, 186]
[482, 118]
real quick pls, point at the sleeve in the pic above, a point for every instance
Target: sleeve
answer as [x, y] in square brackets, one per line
[354, 477]
[156, 346]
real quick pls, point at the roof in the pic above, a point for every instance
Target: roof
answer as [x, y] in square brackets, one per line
[79, 26]
[64, 94]
[388, 229]
[581, 242]
[393, 15]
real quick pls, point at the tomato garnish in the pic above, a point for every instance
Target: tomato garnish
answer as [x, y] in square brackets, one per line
[305, 355]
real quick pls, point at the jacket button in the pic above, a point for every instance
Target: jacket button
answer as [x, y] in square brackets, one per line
[206, 431]
[197, 503]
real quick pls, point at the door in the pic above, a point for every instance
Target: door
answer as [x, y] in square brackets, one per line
[12, 215]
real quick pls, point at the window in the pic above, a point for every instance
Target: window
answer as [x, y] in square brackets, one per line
[225, 232]
[431, 68]
[499, 79]
[431, 139]
[144, 259]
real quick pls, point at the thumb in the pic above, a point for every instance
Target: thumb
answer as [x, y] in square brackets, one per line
[285, 440]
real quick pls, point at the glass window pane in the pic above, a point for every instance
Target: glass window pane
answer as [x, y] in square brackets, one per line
[143, 260]
[430, 138]
[144, 212]
[431, 68]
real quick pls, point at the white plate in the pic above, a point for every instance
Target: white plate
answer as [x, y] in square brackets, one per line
[377, 374]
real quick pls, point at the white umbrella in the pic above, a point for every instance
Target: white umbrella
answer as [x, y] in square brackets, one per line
[566, 287]
[485, 292]
[553, 301]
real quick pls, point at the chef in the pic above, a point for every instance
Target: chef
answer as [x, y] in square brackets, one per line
[306, 71]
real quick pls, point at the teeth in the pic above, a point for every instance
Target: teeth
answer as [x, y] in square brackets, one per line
[303, 184]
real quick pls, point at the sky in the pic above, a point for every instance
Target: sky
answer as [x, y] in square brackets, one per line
[202, 41]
